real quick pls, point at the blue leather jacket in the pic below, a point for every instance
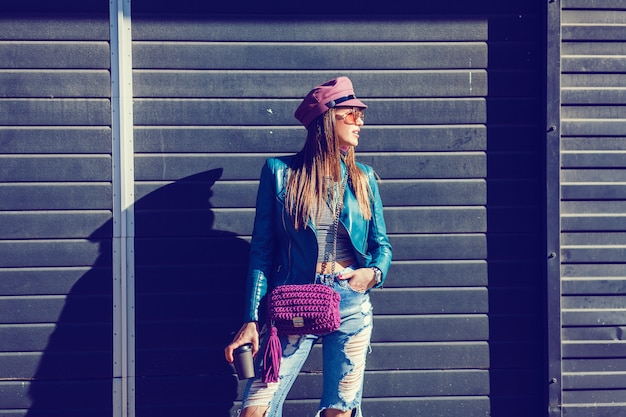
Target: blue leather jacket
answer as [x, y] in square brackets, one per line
[280, 254]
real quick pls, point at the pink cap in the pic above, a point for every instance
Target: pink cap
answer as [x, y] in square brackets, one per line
[333, 93]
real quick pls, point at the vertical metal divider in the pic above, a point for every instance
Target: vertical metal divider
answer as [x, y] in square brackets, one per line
[553, 321]
[123, 210]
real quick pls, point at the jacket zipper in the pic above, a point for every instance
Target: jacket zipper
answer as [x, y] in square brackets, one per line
[288, 246]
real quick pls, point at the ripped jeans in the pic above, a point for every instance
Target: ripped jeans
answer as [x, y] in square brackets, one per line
[344, 353]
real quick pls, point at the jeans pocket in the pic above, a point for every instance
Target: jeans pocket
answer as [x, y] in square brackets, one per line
[345, 283]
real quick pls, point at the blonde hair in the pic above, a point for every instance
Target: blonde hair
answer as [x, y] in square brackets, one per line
[307, 187]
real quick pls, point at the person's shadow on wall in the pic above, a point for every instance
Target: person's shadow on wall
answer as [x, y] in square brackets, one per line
[189, 285]
[190, 281]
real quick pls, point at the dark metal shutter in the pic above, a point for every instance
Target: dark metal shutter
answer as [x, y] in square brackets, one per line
[55, 211]
[454, 130]
[593, 206]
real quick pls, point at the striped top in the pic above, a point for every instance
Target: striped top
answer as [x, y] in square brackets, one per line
[325, 238]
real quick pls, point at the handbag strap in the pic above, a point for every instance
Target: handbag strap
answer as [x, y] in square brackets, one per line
[336, 214]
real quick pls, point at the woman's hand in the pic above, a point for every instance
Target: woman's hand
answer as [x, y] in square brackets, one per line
[360, 280]
[248, 333]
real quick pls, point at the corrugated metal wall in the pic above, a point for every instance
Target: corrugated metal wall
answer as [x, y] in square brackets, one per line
[217, 95]
[453, 131]
[593, 207]
[55, 214]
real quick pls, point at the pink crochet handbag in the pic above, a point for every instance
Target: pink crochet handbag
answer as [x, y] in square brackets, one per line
[304, 309]
[298, 309]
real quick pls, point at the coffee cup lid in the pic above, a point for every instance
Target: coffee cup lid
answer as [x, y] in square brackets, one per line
[243, 348]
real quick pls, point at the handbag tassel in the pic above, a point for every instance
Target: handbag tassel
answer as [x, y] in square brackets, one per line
[273, 355]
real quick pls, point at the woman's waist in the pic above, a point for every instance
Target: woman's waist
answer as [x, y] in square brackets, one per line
[334, 266]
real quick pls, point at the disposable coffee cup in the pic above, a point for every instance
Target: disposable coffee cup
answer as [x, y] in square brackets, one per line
[243, 361]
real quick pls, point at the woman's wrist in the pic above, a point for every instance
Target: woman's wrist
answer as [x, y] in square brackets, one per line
[378, 275]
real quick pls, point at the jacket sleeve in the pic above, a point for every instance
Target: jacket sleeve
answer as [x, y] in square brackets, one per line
[378, 243]
[262, 246]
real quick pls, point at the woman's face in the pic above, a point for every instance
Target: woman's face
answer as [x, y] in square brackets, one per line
[348, 125]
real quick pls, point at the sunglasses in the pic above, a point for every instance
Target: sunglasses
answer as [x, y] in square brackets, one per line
[351, 116]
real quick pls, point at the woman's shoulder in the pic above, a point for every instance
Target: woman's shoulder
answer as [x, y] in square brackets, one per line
[364, 167]
[278, 163]
[275, 170]
[368, 170]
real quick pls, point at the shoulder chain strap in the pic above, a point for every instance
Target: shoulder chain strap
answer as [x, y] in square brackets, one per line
[336, 215]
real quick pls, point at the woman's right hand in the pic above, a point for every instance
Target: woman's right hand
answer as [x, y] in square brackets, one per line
[248, 333]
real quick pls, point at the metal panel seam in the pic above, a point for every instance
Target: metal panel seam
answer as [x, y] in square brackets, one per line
[553, 346]
[123, 214]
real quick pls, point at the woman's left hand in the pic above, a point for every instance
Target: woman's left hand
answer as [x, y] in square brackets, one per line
[360, 280]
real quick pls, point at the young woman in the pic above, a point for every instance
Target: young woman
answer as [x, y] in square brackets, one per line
[296, 240]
